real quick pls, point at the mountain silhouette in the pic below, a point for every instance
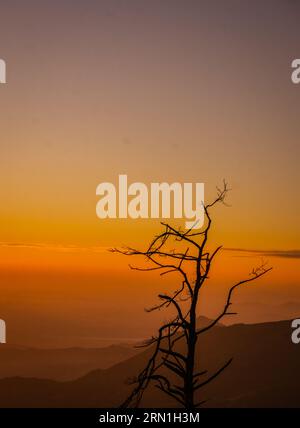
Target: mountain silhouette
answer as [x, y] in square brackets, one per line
[263, 374]
[59, 364]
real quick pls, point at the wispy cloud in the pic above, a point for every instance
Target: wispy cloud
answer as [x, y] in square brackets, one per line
[53, 247]
[289, 254]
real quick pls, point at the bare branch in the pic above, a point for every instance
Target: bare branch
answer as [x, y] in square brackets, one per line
[255, 274]
[193, 265]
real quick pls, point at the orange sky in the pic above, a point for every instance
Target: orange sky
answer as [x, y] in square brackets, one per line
[172, 91]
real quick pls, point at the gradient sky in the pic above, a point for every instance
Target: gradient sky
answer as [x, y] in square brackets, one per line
[162, 91]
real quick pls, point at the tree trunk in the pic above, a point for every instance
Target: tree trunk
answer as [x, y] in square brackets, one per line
[190, 362]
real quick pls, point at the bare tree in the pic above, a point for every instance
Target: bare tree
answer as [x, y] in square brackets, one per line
[192, 262]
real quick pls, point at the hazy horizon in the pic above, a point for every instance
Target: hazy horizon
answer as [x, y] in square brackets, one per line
[193, 91]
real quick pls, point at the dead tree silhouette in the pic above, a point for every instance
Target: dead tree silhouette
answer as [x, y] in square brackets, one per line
[166, 356]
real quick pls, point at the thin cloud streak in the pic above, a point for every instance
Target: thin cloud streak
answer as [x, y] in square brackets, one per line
[62, 248]
[289, 254]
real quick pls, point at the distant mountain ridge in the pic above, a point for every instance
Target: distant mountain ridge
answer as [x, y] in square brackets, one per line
[59, 364]
[264, 373]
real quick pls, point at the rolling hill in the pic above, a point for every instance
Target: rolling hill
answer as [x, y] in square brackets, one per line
[264, 373]
[59, 364]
